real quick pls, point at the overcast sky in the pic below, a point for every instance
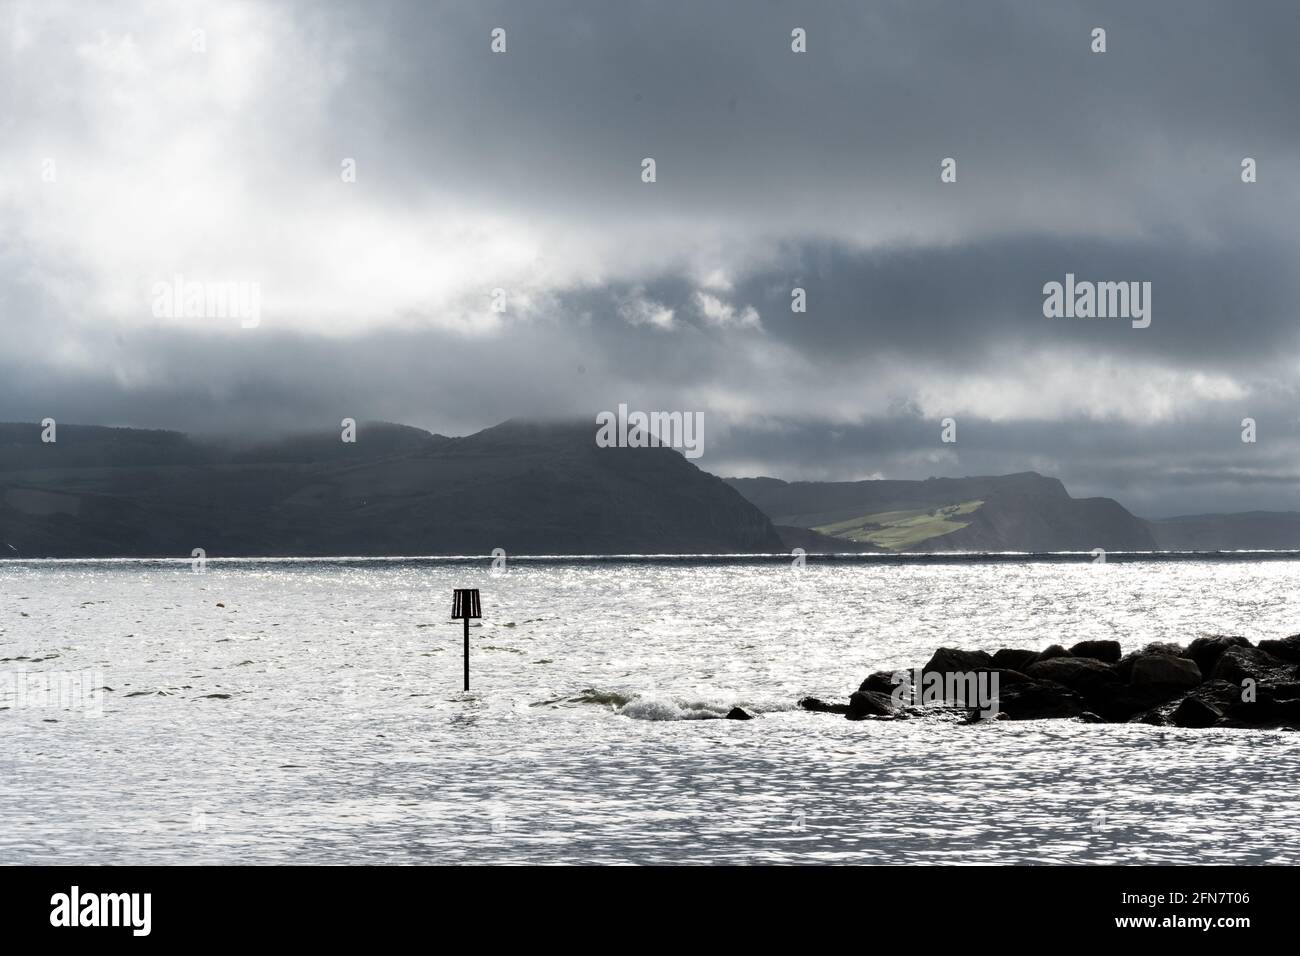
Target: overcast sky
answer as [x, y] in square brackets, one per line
[134, 149]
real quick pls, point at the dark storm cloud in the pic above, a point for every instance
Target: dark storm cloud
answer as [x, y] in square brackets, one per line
[859, 123]
[775, 170]
[1228, 305]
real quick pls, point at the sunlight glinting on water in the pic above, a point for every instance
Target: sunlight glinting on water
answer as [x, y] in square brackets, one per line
[318, 716]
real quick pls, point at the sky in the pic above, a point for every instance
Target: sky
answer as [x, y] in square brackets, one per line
[448, 236]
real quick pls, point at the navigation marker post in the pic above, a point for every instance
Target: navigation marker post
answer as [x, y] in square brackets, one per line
[465, 605]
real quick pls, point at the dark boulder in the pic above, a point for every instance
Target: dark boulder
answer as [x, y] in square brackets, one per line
[1015, 659]
[1236, 664]
[1163, 684]
[1144, 680]
[1074, 672]
[1219, 693]
[882, 682]
[868, 703]
[1254, 713]
[822, 707]
[1168, 648]
[1129, 702]
[1011, 677]
[1195, 712]
[1287, 690]
[1156, 703]
[1289, 712]
[952, 660]
[1206, 651]
[1124, 669]
[739, 713]
[1265, 712]
[1164, 670]
[1107, 651]
[1047, 653]
[1039, 700]
[1285, 649]
[1091, 679]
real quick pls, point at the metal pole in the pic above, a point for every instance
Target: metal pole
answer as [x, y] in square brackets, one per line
[467, 653]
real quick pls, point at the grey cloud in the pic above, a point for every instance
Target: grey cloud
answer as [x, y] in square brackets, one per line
[775, 170]
[856, 127]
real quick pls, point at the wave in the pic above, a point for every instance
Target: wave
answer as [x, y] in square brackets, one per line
[608, 698]
[662, 707]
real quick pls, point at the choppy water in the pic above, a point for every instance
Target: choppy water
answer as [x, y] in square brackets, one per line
[345, 736]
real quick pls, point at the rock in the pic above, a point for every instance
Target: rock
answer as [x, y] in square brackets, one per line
[1107, 651]
[868, 703]
[1006, 677]
[739, 713]
[1289, 711]
[1156, 703]
[1265, 713]
[1286, 649]
[1010, 658]
[1129, 702]
[1219, 693]
[1163, 685]
[1091, 679]
[959, 689]
[1207, 650]
[1164, 670]
[1238, 663]
[951, 660]
[821, 707]
[1287, 690]
[1156, 718]
[1074, 672]
[1124, 669]
[1167, 648]
[882, 682]
[1039, 700]
[1194, 712]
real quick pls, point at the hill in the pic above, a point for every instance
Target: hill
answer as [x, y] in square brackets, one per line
[1020, 512]
[526, 487]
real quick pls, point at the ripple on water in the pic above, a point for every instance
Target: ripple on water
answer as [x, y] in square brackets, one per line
[317, 717]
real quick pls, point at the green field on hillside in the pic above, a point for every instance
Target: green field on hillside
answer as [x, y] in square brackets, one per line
[900, 530]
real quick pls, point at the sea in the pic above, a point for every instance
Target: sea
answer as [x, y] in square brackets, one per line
[312, 711]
